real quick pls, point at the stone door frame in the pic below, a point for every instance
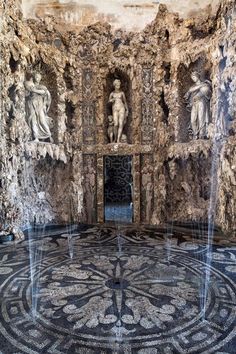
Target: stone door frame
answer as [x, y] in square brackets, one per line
[136, 186]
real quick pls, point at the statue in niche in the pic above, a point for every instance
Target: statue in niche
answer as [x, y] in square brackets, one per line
[119, 110]
[198, 97]
[224, 119]
[148, 188]
[38, 101]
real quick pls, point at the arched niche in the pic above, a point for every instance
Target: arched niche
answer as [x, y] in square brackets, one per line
[47, 182]
[68, 77]
[49, 79]
[203, 67]
[188, 187]
[126, 88]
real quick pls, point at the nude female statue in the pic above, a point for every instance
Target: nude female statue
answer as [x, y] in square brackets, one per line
[38, 101]
[119, 110]
[199, 96]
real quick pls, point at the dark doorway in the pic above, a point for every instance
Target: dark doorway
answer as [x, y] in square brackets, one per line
[118, 186]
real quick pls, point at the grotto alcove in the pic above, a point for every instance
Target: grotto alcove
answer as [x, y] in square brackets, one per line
[44, 198]
[117, 243]
[189, 192]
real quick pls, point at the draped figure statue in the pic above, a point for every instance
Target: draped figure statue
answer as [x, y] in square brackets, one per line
[38, 101]
[119, 110]
[198, 97]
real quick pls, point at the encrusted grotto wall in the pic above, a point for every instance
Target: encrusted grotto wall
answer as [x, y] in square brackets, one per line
[63, 180]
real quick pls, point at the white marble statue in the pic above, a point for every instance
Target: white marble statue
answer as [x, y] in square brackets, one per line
[199, 96]
[38, 101]
[119, 110]
[223, 118]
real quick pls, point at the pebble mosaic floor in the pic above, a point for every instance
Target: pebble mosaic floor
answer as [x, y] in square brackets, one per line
[117, 290]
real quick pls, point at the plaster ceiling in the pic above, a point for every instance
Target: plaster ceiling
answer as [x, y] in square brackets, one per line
[127, 14]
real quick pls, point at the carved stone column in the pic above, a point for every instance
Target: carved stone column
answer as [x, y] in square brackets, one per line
[88, 108]
[100, 188]
[90, 188]
[147, 188]
[136, 188]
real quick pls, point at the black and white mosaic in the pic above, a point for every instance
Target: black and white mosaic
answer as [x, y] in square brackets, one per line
[117, 291]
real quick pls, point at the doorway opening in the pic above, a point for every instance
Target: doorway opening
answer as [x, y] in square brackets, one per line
[118, 189]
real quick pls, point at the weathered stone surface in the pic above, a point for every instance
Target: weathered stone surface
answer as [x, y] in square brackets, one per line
[45, 182]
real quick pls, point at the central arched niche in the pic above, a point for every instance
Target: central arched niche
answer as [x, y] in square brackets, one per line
[126, 88]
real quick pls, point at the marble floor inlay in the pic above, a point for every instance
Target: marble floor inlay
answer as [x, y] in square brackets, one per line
[117, 290]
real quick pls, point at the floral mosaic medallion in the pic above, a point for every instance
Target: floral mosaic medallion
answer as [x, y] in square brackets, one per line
[136, 292]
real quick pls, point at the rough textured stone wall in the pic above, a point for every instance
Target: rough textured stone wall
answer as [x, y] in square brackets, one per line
[36, 178]
[64, 180]
[226, 95]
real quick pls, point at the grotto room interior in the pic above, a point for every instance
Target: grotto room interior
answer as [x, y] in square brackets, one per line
[118, 177]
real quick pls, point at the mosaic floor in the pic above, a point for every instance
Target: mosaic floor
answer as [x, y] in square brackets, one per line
[106, 290]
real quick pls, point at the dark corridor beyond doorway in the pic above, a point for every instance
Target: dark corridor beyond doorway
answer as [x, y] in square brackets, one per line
[118, 188]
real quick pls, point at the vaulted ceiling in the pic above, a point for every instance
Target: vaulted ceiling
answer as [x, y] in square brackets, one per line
[128, 14]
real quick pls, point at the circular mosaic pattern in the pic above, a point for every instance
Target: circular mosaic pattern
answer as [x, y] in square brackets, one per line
[105, 296]
[117, 284]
